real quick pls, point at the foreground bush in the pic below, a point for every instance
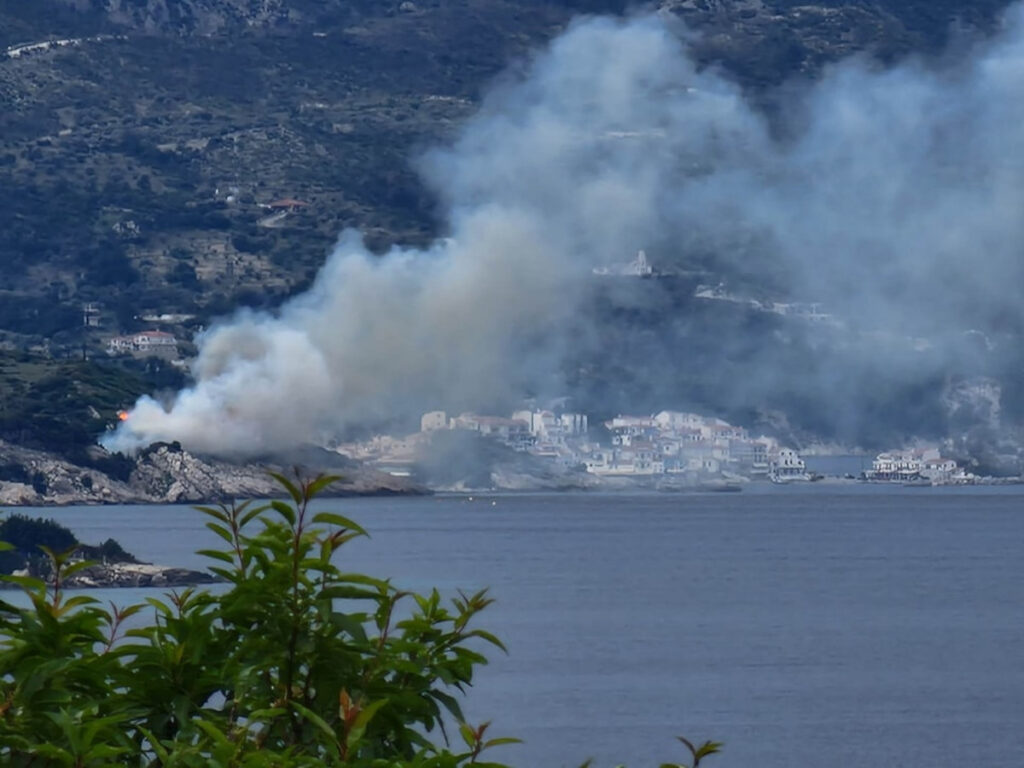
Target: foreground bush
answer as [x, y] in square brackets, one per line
[270, 671]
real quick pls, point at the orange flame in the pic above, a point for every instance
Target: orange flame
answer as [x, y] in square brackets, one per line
[122, 415]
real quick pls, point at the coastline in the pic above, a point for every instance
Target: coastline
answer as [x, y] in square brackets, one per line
[143, 501]
[128, 575]
[167, 474]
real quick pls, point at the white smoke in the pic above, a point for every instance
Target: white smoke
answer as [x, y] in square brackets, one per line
[895, 196]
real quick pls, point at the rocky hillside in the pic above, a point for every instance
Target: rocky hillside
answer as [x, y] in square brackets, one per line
[142, 141]
[136, 154]
[164, 474]
[764, 42]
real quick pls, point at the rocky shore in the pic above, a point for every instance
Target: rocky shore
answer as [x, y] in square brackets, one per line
[138, 575]
[114, 575]
[31, 541]
[167, 474]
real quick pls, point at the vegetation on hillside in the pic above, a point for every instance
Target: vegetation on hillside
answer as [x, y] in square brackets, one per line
[132, 168]
[30, 538]
[62, 406]
[135, 171]
[296, 664]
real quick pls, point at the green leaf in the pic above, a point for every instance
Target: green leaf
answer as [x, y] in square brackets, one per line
[253, 513]
[342, 592]
[359, 726]
[359, 578]
[484, 635]
[128, 611]
[315, 719]
[53, 556]
[705, 749]
[267, 714]
[154, 743]
[286, 511]
[349, 623]
[217, 513]
[105, 751]
[340, 521]
[221, 531]
[319, 484]
[211, 730]
[289, 486]
[54, 752]
[216, 554]
[450, 703]
[708, 748]
[160, 606]
[336, 540]
[28, 583]
[501, 740]
[77, 600]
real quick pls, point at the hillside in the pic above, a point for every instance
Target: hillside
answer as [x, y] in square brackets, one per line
[194, 157]
[133, 165]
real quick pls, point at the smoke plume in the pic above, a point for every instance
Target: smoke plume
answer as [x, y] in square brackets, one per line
[892, 197]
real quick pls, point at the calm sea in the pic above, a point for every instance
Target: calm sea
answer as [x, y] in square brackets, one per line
[840, 626]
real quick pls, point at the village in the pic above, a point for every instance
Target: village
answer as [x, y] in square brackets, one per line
[663, 450]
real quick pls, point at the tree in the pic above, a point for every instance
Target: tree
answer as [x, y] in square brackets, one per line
[294, 663]
[26, 534]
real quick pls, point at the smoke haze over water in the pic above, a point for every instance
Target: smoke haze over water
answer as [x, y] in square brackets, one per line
[894, 198]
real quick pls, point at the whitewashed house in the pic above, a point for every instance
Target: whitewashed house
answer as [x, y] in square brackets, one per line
[158, 343]
[433, 420]
[786, 466]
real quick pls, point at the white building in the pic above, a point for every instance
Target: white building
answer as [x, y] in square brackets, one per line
[551, 430]
[513, 432]
[145, 343]
[636, 424]
[676, 420]
[915, 464]
[786, 465]
[638, 267]
[433, 420]
[896, 465]
[639, 459]
[940, 470]
[575, 424]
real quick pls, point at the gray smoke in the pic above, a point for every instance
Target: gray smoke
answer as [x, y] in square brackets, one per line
[892, 196]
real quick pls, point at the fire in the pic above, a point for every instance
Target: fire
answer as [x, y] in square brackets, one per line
[122, 415]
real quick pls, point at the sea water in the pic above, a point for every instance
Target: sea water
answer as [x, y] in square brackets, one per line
[802, 625]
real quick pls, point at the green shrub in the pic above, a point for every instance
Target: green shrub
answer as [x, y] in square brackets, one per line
[26, 534]
[294, 663]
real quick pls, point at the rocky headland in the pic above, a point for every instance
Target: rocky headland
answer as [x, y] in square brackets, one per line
[168, 474]
[37, 545]
[106, 575]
